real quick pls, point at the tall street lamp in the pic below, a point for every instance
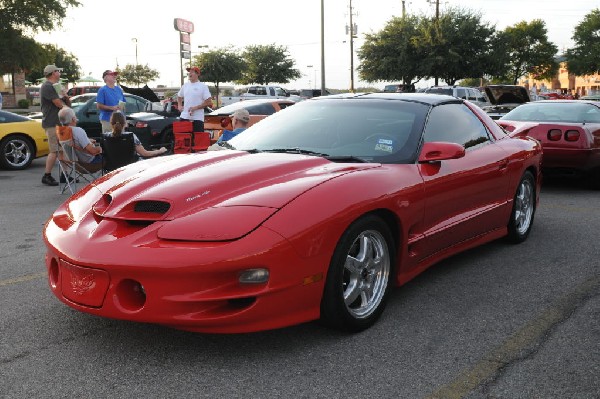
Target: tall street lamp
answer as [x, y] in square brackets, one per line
[136, 57]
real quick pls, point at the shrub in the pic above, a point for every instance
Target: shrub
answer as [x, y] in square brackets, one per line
[23, 103]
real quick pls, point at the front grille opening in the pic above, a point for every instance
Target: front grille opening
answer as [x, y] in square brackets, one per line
[140, 223]
[242, 302]
[152, 206]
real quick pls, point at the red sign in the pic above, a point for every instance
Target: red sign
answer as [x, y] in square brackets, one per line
[182, 25]
[184, 38]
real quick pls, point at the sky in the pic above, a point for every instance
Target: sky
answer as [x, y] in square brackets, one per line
[104, 34]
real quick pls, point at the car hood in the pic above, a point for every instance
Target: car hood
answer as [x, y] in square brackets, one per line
[507, 94]
[205, 189]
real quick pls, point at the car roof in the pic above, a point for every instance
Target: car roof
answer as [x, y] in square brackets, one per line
[430, 99]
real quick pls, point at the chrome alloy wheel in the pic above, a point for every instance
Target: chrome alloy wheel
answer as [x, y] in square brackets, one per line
[366, 273]
[524, 206]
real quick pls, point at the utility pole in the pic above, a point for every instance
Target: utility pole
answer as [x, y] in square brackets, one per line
[322, 47]
[403, 9]
[437, 18]
[351, 32]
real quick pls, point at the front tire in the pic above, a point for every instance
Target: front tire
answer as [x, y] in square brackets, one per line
[521, 217]
[358, 280]
[16, 152]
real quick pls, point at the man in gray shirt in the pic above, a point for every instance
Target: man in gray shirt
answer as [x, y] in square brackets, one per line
[51, 103]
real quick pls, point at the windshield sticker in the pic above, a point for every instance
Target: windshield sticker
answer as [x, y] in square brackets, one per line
[385, 145]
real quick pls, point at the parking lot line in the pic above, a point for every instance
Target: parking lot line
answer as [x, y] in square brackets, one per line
[519, 345]
[22, 279]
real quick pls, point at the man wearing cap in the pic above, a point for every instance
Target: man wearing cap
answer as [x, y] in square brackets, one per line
[108, 99]
[194, 96]
[239, 121]
[51, 103]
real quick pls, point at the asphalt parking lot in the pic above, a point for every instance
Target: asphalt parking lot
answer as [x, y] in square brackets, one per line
[500, 321]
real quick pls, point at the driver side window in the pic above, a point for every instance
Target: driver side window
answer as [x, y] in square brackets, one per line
[455, 123]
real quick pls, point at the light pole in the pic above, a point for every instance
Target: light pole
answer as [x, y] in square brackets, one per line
[315, 73]
[322, 47]
[136, 57]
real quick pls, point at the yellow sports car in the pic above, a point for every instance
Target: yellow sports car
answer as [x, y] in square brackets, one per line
[21, 141]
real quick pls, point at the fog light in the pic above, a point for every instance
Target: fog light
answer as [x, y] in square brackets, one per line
[254, 276]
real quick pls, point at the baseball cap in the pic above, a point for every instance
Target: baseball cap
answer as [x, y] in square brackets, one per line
[109, 72]
[51, 68]
[195, 69]
[241, 115]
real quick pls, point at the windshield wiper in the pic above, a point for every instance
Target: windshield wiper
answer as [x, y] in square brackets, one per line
[345, 158]
[226, 145]
[297, 151]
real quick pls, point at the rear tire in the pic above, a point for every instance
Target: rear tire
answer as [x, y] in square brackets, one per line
[358, 280]
[523, 212]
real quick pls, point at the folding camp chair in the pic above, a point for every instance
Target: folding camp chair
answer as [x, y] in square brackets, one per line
[118, 151]
[186, 140]
[71, 169]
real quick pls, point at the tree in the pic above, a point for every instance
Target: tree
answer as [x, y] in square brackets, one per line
[456, 45]
[62, 59]
[266, 64]
[392, 54]
[584, 58]
[34, 15]
[525, 50]
[17, 51]
[137, 74]
[220, 65]
[20, 53]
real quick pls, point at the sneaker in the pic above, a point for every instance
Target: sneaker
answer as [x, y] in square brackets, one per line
[49, 180]
[71, 179]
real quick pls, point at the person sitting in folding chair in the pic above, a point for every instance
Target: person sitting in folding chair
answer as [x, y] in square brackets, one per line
[81, 154]
[118, 123]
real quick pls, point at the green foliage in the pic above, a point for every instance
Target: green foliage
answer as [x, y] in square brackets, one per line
[137, 74]
[473, 82]
[59, 57]
[23, 103]
[526, 50]
[220, 65]
[584, 58]
[391, 54]
[460, 45]
[20, 53]
[34, 15]
[266, 64]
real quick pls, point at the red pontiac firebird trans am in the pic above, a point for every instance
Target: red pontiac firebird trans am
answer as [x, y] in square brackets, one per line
[569, 131]
[316, 212]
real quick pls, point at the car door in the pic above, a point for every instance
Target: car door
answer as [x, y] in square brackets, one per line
[88, 118]
[464, 196]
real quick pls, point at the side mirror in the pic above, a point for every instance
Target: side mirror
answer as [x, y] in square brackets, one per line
[439, 150]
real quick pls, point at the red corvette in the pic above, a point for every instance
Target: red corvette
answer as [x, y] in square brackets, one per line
[314, 213]
[569, 131]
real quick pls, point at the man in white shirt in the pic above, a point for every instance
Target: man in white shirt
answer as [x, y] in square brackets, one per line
[192, 98]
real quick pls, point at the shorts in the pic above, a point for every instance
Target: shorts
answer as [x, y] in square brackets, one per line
[52, 139]
[106, 127]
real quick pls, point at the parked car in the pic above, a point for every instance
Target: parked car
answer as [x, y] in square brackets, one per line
[154, 129]
[77, 90]
[88, 116]
[593, 97]
[316, 212]
[504, 98]
[22, 139]
[218, 120]
[569, 131]
[310, 93]
[472, 94]
[399, 88]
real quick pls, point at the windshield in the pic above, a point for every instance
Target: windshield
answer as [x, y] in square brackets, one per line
[555, 111]
[366, 130]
